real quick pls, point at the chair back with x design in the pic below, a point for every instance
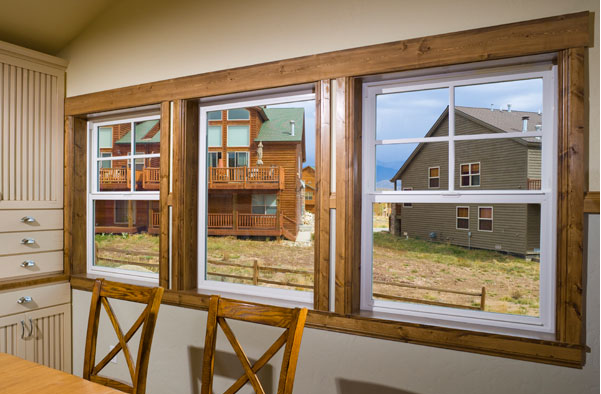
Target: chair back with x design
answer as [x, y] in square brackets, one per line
[152, 298]
[293, 320]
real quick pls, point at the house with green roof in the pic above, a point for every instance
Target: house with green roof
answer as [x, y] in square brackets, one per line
[254, 162]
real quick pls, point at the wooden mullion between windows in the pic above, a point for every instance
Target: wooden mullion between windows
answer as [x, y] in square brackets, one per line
[571, 184]
[185, 192]
[164, 193]
[348, 195]
[321, 290]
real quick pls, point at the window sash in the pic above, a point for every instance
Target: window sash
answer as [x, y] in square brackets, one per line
[238, 136]
[539, 327]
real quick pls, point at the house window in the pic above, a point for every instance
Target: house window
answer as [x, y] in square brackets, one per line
[463, 218]
[308, 196]
[238, 114]
[434, 177]
[213, 159]
[485, 218]
[238, 136]
[122, 226]
[237, 159]
[214, 115]
[402, 136]
[125, 211]
[264, 204]
[407, 204]
[470, 174]
[214, 136]
[251, 199]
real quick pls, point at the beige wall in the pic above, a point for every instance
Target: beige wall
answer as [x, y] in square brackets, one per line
[329, 361]
[138, 41]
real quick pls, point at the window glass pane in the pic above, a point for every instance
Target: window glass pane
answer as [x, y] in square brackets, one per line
[486, 213]
[508, 107]
[118, 143]
[213, 159]
[408, 164]
[214, 136]
[238, 136]
[148, 175]
[423, 258]
[126, 235]
[246, 221]
[499, 164]
[114, 175]
[238, 114]
[214, 115]
[412, 114]
[105, 138]
[148, 137]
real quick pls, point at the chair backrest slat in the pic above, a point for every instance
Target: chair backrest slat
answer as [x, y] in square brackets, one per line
[293, 320]
[138, 371]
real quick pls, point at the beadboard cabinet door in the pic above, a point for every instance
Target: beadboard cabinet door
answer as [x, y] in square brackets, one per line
[49, 340]
[31, 135]
[12, 332]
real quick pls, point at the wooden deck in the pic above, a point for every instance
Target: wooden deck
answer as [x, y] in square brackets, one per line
[246, 178]
[120, 178]
[243, 224]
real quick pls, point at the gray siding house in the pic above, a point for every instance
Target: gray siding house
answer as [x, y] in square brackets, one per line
[493, 164]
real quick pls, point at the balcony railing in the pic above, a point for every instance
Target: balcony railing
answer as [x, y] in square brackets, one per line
[246, 178]
[120, 178]
[533, 184]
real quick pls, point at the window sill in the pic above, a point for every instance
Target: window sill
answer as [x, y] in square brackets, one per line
[536, 350]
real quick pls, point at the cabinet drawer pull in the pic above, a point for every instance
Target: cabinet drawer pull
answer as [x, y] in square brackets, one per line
[27, 219]
[28, 263]
[27, 241]
[24, 300]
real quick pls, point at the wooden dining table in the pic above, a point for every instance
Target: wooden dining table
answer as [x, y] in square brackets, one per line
[18, 376]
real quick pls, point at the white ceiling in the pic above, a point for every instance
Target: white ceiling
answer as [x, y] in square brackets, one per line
[46, 25]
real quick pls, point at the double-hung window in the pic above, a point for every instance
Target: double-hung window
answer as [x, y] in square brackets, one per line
[123, 194]
[496, 278]
[246, 208]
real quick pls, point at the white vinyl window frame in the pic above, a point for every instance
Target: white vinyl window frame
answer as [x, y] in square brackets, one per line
[93, 193]
[490, 219]
[275, 296]
[470, 174]
[232, 119]
[543, 326]
[457, 217]
[430, 177]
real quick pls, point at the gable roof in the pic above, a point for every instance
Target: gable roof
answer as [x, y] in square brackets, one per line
[278, 128]
[497, 121]
[142, 133]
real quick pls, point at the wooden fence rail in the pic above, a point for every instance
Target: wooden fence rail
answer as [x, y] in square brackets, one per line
[256, 269]
[481, 294]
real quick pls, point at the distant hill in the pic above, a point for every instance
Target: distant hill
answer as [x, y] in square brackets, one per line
[384, 185]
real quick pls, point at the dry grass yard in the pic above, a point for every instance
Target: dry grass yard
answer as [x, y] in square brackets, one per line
[512, 283]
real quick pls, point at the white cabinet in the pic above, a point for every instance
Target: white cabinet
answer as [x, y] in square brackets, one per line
[36, 324]
[35, 321]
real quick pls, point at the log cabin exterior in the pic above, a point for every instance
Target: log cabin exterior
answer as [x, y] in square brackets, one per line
[254, 163]
[309, 181]
[498, 164]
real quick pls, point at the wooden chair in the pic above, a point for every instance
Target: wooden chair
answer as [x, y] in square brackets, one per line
[149, 296]
[291, 319]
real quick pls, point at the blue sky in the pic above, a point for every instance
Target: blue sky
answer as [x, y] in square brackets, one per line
[412, 114]
[309, 107]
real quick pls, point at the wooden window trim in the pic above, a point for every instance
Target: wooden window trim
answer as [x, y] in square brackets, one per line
[568, 34]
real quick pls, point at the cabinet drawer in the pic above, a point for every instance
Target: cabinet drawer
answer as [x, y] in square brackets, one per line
[23, 265]
[41, 241]
[41, 297]
[28, 220]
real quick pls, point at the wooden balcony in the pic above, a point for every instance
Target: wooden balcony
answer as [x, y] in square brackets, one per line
[120, 178]
[246, 178]
[246, 224]
[154, 225]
